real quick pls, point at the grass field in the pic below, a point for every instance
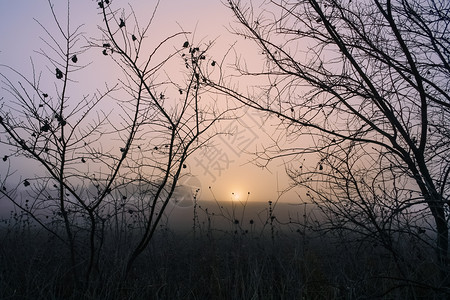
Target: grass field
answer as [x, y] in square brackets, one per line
[210, 259]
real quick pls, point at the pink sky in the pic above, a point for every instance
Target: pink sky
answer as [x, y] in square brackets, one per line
[19, 34]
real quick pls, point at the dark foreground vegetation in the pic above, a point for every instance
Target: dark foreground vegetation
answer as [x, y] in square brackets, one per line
[242, 261]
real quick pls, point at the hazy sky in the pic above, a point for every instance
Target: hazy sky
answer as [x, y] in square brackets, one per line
[227, 171]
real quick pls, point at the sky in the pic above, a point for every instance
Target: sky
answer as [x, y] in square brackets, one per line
[226, 168]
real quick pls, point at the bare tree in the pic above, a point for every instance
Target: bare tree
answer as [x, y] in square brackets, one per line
[171, 112]
[91, 158]
[361, 88]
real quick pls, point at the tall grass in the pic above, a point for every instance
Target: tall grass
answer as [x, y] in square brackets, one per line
[229, 253]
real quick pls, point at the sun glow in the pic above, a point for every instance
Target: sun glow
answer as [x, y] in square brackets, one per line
[235, 196]
[239, 196]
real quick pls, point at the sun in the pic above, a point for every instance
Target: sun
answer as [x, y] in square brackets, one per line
[235, 196]
[237, 193]
[239, 196]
